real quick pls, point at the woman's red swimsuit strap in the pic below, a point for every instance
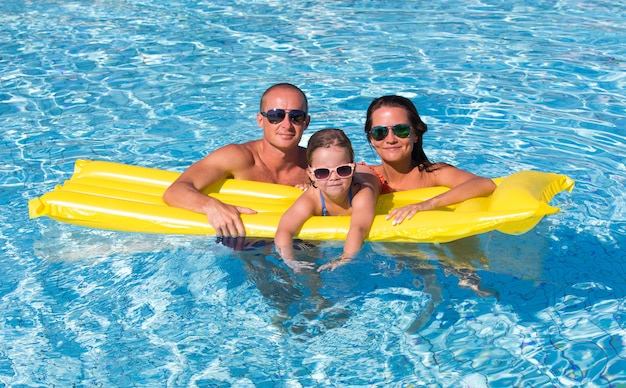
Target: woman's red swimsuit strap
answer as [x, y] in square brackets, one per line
[384, 188]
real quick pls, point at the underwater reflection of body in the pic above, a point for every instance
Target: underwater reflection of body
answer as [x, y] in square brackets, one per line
[309, 303]
[295, 297]
[464, 264]
[422, 275]
[461, 259]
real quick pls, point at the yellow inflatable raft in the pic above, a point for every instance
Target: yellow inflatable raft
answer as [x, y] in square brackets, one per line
[114, 196]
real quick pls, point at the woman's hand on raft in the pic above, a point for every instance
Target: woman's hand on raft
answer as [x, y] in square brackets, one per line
[407, 212]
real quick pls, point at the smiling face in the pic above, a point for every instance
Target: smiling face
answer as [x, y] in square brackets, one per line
[392, 148]
[331, 158]
[285, 134]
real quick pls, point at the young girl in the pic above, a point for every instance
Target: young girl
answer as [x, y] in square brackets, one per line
[333, 192]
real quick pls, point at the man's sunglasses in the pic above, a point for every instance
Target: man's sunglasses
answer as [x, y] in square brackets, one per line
[276, 116]
[343, 171]
[380, 132]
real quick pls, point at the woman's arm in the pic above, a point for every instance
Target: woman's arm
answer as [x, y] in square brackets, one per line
[463, 186]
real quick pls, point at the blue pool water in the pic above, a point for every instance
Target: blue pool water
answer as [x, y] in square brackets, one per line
[503, 86]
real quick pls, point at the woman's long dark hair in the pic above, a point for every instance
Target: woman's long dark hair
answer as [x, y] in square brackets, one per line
[417, 155]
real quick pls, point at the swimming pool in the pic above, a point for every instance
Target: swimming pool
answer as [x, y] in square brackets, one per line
[503, 86]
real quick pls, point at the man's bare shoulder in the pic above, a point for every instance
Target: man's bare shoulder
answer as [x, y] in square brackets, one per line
[228, 161]
[243, 153]
[239, 161]
[251, 148]
[239, 147]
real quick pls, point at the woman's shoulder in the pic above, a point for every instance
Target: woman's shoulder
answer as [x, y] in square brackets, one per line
[370, 166]
[378, 172]
[435, 166]
[448, 175]
[364, 168]
[440, 169]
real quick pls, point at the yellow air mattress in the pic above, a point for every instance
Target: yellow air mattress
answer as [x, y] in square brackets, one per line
[114, 196]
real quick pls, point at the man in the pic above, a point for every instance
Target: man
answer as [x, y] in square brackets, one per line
[276, 158]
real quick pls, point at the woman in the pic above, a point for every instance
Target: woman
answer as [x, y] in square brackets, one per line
[395, 130]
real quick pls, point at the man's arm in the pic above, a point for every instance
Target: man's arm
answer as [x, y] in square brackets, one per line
[186, 191]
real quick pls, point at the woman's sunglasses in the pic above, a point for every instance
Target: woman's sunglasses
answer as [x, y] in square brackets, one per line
[343, 171]
[380, 132]
[276, 116]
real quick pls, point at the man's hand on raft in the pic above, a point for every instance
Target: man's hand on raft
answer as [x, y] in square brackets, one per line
[226, 219]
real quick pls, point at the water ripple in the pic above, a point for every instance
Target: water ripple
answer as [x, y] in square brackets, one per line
[502, 86]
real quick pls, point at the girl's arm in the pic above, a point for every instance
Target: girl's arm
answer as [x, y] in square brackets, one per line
[290, 222]
[463, 186]
[363, 212]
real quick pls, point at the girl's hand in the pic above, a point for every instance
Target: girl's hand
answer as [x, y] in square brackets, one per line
[297, 265]
[334, 264]
[407, 212]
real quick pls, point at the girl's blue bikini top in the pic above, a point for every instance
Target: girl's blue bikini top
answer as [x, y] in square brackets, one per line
[324, 211]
